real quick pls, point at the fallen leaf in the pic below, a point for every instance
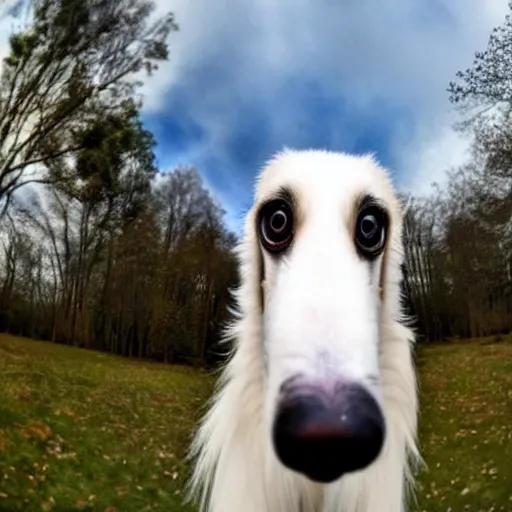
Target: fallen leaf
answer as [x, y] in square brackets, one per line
[38, 430]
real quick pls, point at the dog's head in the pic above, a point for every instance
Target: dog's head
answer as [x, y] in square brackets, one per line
[326, 228]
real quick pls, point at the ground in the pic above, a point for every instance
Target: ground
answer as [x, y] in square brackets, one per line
[81, 430]
[466, 427]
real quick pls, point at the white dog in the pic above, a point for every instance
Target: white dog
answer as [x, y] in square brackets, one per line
[316, 410]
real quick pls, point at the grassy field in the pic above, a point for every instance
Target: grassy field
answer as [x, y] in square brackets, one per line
[466, 427]
[82, 430]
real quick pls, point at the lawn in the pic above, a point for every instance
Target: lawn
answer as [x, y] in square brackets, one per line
[466, 427]
[81, 430]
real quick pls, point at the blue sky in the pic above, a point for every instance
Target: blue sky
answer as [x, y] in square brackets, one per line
[247, 77]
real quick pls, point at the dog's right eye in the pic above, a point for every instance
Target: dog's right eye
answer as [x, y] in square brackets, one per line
[276, 225]
[371, 233]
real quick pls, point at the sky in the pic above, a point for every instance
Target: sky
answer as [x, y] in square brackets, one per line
[247, 77]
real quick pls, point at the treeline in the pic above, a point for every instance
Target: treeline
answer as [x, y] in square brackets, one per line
[459, 239]
[458, 271]
[108, 254]
[144, 276]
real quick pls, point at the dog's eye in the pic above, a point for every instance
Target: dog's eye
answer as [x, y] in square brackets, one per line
[276, 225]
[370, 233]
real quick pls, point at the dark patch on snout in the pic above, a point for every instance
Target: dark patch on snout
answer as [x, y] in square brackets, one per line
[325, 435]
[261, 279]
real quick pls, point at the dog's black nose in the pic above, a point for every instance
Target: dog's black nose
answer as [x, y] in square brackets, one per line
[324, 436]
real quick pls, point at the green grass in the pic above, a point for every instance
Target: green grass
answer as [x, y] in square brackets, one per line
[81, 430]
[466, 427]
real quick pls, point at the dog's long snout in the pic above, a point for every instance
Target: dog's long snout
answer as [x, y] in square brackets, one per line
[326, 434]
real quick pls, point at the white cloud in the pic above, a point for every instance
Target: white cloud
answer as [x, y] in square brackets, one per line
[436, 149]
[400, 52]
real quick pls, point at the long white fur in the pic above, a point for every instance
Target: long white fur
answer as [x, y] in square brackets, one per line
[325, 316]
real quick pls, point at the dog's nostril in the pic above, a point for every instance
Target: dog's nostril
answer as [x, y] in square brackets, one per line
[324, 438]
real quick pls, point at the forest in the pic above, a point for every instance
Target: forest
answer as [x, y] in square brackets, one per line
[101, 249]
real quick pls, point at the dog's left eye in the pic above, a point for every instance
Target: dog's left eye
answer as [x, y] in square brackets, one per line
[276, 226]
[370, 233]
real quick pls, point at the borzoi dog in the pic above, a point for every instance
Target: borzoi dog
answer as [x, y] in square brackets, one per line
[316, 410]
